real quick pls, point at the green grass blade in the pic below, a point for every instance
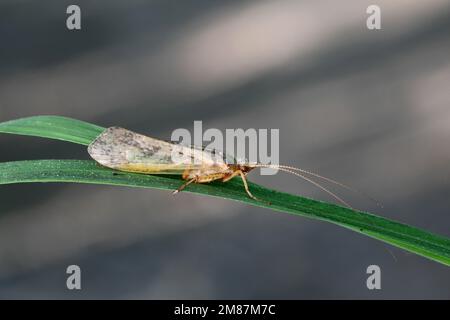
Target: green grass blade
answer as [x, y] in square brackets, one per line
[412, 239]
[54, 127]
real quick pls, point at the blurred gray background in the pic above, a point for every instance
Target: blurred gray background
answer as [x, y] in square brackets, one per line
[369, 108]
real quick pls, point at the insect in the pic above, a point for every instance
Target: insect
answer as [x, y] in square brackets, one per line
[124, 150]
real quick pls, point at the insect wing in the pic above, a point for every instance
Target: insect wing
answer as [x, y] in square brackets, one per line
[121, 149]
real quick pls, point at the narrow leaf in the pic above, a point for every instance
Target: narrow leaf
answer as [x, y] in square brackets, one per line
[54, 127]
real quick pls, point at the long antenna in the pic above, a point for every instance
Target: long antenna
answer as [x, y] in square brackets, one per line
[273, 166]
[335, 196]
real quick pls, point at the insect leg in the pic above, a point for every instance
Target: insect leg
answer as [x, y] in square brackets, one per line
[184, 185]
[244, 180]
[231, 176]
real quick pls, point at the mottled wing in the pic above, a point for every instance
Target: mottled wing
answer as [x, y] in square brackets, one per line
[124, 150]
